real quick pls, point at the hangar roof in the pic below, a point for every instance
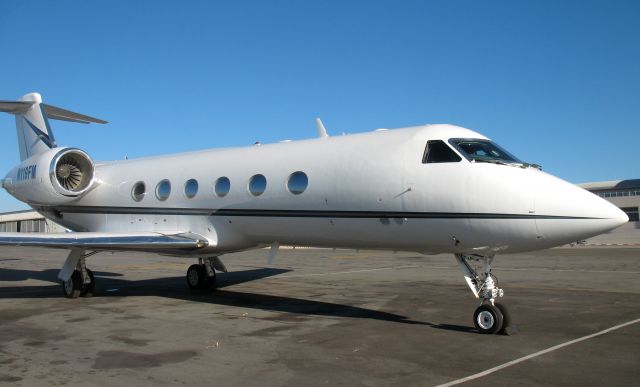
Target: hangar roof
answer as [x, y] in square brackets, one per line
[611, 185]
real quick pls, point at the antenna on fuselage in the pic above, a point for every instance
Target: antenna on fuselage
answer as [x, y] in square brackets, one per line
[322, 132]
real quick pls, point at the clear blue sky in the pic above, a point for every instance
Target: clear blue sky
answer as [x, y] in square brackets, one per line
[555, 82]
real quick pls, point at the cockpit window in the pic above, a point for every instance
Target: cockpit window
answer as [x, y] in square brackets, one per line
[482, 151]
[439, 152]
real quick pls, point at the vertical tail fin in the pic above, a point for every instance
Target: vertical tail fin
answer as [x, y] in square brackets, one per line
[32, 123]
[34, 133]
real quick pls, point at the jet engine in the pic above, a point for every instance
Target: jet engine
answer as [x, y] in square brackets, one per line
[55, 177]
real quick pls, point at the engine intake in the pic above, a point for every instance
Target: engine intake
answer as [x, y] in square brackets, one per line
[71, 172]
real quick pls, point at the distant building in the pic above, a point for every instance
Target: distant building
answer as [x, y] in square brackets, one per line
[27, 221]
[626, 195]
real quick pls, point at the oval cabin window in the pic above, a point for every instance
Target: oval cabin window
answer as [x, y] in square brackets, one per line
[191, 188]
[163, 190]
[138, 191]
[222, 186]
[298, 182]
[257, 185]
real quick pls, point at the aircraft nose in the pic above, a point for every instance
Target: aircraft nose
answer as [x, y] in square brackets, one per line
[611, 216]
[567, 213]
[620, 216]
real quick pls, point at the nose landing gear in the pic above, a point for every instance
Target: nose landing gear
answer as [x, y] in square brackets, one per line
[490, 317]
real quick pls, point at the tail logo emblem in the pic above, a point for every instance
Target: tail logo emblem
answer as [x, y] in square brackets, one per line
[41, 135]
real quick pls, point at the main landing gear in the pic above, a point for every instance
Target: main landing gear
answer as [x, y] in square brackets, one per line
[202, 275]
[77, 280]
[490, 317]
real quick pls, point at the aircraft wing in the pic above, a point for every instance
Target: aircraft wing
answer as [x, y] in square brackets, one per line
[136, 241]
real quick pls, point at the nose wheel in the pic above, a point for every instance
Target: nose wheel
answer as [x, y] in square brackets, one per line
[490, 317]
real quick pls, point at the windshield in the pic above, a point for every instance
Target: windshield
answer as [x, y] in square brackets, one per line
[482, 150]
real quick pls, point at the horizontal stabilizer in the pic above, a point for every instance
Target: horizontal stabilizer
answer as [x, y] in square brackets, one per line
[57, 113]
[52, 112]
[141, 241]
[15, 107]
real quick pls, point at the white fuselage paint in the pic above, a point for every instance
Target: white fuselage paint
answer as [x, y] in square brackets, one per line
[367, 190]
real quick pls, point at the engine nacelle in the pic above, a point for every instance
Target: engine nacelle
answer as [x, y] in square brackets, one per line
[58, 176]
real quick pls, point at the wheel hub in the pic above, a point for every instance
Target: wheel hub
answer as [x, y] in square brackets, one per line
[485, 320]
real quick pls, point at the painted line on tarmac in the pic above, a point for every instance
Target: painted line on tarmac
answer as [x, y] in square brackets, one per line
[347, 272]
[536, 354]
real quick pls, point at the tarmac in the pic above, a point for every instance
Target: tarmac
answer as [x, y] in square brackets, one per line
[321, 317]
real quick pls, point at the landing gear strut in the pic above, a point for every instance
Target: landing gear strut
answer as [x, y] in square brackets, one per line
[203, 274]
[490, 317]
[77, 280]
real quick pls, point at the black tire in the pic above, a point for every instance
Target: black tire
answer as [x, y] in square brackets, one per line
[211, 281]
[506, 317]
[89, 289]
[73, 287]
[197, 277]
[488, 319]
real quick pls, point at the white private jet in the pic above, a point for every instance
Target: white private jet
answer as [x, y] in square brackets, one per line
[428, 189]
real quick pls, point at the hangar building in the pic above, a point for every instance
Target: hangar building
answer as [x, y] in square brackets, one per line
[27, 221]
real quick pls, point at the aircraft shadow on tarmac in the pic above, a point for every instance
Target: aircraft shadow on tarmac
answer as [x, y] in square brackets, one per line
[175, 287]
